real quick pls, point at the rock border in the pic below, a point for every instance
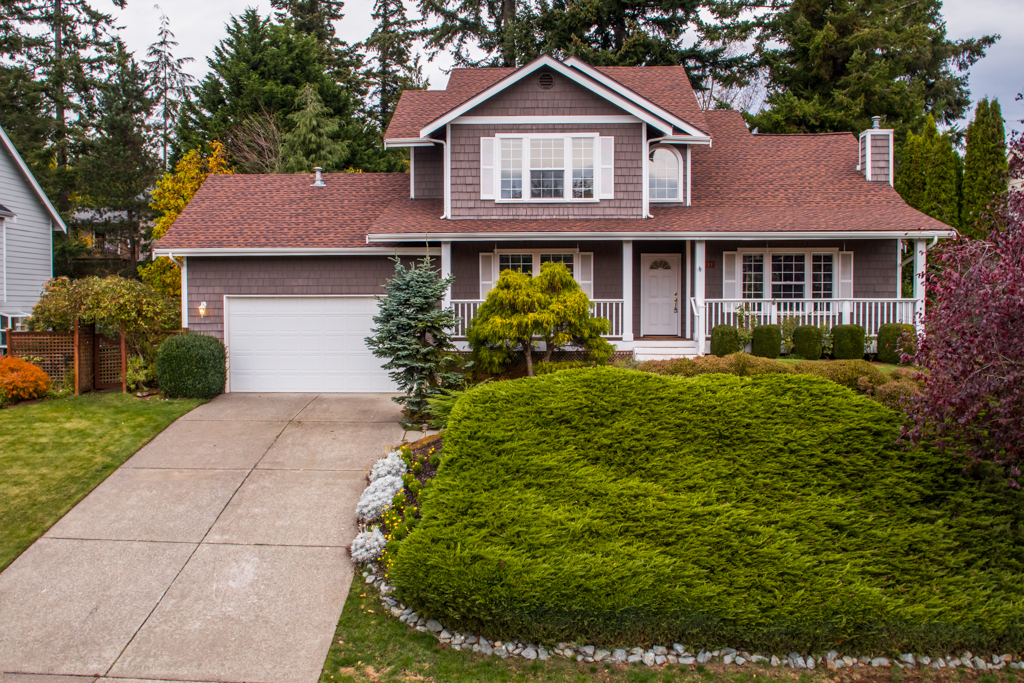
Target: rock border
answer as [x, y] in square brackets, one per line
[662, 655]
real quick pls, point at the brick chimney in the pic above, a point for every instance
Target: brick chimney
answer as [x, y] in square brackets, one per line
[876, 153]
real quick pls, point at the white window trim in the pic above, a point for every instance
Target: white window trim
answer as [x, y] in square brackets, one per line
[566, 168]
[679, 198]
[535, 256]
[808, 255]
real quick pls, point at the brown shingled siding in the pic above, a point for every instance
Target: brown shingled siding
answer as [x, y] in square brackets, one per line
[428, 172]
[527, 98]
[465, 172]
[210, 278]
[874, 263]
[607, 264]
[880, 157]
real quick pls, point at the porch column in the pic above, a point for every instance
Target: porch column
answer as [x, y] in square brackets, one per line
[920, 264]
[698, 293]
[627, 290]
[446, 270]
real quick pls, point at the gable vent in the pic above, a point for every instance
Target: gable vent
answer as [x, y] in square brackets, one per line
[546, 80]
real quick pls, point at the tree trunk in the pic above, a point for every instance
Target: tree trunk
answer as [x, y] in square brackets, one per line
[508, 24]
[549, 350]
[528, 350]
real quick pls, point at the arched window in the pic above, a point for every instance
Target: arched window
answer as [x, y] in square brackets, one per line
[663, 178]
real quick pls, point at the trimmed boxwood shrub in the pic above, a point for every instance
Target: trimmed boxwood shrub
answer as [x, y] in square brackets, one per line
[847, 342]
[767, 342]
[191, 366]
[807, 341]
[725, 339]
[890, 346]
[846, 372]
[774, 513]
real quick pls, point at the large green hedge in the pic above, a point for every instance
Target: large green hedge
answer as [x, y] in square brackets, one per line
[191, 366]
[773, 512]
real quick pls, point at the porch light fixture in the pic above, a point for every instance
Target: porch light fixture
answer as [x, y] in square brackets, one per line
[202, 310]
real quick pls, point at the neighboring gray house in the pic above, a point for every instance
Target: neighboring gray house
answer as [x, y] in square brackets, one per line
[27, 222]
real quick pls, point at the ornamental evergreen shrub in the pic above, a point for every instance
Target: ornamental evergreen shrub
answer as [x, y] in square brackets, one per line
[767, 341]
[546, 368]
[807, 341]
[725, 339]
[739, 364]
[191, 366]
[21, 380]
[847, 342]
[847, 373]
[891, 343]
[773, 513]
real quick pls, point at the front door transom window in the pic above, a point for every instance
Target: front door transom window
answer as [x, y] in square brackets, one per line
[660, 264]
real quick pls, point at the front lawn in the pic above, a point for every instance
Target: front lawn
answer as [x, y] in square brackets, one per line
[774, 513]
[54, 453]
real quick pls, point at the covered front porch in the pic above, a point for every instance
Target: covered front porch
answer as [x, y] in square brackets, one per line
[663, 296]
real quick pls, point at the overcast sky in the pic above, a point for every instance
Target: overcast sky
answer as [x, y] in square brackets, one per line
[199, 26]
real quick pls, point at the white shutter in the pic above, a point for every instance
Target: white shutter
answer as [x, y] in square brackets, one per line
[486, 273]
[730, 275]
[846, 275]
[585, 273]
[487, 154]
[607, 175]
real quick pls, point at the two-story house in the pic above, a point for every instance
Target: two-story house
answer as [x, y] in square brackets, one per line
[27, 223]
[670, 217]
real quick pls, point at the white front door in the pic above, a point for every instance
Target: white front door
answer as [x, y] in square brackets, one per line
[661, 304]
[297, 343]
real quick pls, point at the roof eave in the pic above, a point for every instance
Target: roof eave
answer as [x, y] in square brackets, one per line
[675, 235]
[44, 200]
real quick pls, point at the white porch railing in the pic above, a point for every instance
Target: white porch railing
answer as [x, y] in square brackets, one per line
[601, 308]
[868, 313]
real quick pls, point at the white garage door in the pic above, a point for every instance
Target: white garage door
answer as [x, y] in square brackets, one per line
[302, 344]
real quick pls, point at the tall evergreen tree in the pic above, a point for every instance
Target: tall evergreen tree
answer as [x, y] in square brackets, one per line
[985, 169]
[395, 68]
[927, 178]
[121, 166]
[833, 64]
[495, 27]
[313, 140]
[170, 82]
[311, 17]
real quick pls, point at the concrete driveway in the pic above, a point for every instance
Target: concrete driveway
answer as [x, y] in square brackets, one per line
[216, 553]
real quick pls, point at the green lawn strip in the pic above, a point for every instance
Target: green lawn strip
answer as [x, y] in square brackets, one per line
[773, 513]
[55, 452]
[371, 645]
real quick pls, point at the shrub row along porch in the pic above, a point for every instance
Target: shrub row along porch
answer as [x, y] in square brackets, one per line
[676, 291]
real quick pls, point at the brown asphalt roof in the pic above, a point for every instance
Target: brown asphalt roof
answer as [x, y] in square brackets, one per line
[744, 183]
[666, 86]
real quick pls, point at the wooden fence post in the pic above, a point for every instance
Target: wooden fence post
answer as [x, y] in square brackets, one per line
[124, 363]
[78, 375]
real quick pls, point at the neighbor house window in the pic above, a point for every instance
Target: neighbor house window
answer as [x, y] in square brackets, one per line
[521, 263]
[567, 259]
[583, 168]
[821, 276]
[753, 276]
[511, 168]
[547, 168]
[788, 273]
[663, 174]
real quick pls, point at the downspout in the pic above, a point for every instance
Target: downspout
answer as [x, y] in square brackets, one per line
[447, 176]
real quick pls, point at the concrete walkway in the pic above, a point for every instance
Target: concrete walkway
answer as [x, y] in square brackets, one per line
[214, 554]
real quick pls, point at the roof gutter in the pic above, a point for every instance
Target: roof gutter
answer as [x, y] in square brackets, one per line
[682, 140]
[296, 251]
[660, 236]
[391, 143]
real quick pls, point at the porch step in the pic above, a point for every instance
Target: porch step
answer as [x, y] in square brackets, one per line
[664, 350]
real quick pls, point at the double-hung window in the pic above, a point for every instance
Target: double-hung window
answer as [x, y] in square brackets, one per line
[821, 276]
[521, 263]
[753, 276]
[788, 272]
[544, 167]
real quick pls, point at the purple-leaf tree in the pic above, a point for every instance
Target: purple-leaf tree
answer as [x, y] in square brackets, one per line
[972, 402]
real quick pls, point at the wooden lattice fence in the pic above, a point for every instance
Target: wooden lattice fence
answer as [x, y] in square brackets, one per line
[56, 350]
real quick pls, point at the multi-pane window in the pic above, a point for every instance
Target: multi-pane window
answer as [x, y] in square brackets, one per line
[511, 168]
[821, 276]
[663, 178]
[788, 272]
[521, 263]
[547, 168]
[753, 276]
[583, 168]
[557, 258]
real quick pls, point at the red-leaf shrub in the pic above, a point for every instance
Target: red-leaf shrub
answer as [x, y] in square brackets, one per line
[22, 381]
[972, 402]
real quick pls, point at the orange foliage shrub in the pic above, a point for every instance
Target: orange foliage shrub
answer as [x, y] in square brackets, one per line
[21, 381]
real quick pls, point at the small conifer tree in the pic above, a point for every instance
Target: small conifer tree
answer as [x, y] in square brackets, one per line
[313, 140]
[414, 334]
[985, 170]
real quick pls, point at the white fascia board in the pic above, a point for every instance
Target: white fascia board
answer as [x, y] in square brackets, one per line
[659, 122]
[657, 236]
[304, 251]
[681, 140]
[408, 142]
[44, 200]
[522, 120]
[582, 66]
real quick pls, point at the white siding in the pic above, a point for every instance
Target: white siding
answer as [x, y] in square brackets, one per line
[28, 252]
